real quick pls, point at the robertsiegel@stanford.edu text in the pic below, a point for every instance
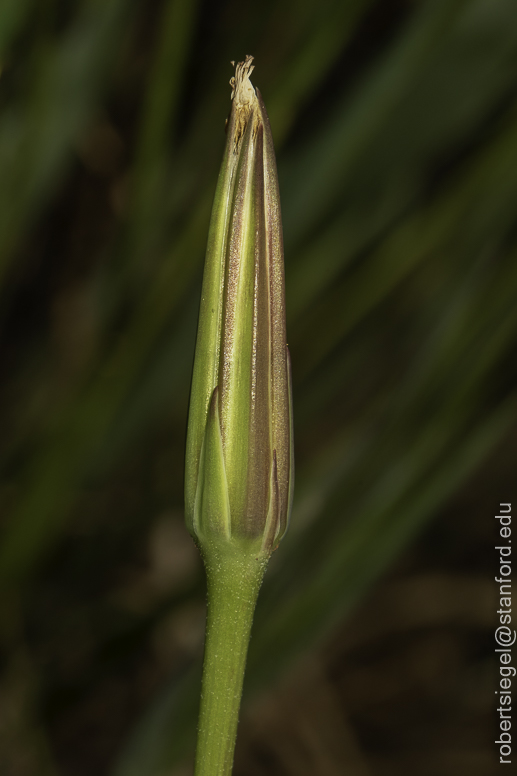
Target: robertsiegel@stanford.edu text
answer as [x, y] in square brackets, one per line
[504, 634]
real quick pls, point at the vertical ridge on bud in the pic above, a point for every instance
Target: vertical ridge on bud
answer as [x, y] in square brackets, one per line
[280, 393]
[206, 362]
[241, 344]
[259, 442]
[237, 325]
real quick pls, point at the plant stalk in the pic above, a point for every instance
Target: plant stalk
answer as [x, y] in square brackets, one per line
[233, 582]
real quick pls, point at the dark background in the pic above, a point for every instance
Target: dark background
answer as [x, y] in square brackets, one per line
[395, 125]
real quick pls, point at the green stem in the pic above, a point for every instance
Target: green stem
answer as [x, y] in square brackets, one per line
[233, 581]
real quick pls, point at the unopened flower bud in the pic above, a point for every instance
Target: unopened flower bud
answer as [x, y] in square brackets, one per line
[239, 462]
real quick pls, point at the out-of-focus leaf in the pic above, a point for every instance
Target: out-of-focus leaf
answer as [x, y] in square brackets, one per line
[433, 88]
[13, 14]
[36, 134]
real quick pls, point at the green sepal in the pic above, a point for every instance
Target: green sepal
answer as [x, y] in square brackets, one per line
[271, 529]
[212, 506]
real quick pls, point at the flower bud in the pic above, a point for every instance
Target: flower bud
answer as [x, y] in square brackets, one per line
[239, 461]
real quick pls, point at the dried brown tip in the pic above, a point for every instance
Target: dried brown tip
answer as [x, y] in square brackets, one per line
[243, 96]
[243, 92]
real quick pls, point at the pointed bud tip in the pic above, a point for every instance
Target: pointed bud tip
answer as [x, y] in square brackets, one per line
[245, 103]
[243, 93]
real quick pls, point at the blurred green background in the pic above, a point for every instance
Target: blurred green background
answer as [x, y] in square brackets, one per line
[395, 123]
